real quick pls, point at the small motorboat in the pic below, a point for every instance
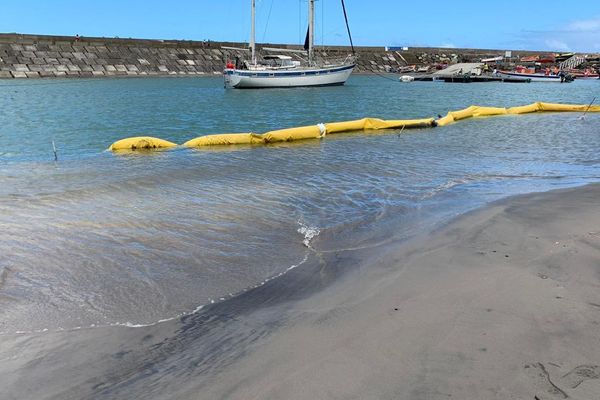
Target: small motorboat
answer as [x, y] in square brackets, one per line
[536, 77]
[406, 78]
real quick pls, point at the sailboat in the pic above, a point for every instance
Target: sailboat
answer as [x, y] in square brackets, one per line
[277, 71]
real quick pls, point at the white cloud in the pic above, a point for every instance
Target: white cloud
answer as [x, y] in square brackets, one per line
[554, 44]
[585, 25]
[576, 35]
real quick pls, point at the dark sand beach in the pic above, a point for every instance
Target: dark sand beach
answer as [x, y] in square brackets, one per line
[503, 303]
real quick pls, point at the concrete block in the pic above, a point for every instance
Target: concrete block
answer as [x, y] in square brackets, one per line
[52, 61]
[110, 68]
[10, 60]
[53, 54]
[39, 61]
[46, 74]
[143, 61]
[91, 55]
[60, 73]
[121, 68]
[163, 68]
[20, 67]
[5, 74]
[17, 47]
[18, 74]
[49, 68]
[66, 47]
[78, 55]
[33, 74]
[72, 74]
[36, 68]
[27, 54]
[131, 67]
[23, 60]
[86, 68]
[62, 67]
[98, 73]
[190, 62]
[41, 54]
[73, 68]
[99, 68]
[86, 74]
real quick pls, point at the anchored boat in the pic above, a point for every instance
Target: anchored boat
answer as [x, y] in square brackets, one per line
[282, 71]
[558, 78]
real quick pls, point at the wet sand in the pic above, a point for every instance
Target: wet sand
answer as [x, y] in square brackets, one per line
[503, 303]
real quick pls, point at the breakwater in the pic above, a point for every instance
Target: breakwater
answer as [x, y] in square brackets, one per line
[41, 56]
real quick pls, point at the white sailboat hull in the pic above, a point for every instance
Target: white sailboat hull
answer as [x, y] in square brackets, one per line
[248, 79]
[533, 77]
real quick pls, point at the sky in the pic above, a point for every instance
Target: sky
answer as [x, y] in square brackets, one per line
[530, 24]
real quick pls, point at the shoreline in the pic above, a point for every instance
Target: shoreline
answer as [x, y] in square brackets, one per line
[500, 303]
[482, 307]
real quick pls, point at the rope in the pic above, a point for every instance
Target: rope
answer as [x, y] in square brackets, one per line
[385, 76]
[268, 18]
[348, 27]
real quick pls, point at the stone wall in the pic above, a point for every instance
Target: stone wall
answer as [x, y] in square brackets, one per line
[39, 56]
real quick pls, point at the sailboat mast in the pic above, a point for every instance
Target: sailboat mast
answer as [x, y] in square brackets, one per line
[253, 33]
[311, 30]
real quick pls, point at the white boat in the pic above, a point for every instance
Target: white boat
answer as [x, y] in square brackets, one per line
[282, 71]
[534, 77]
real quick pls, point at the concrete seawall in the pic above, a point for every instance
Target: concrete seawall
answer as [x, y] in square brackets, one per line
[40, 56]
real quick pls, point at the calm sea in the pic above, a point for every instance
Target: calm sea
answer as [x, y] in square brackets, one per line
[102, 239]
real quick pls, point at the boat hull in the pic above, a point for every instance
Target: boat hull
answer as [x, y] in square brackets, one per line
[247, 79]
[533, 77]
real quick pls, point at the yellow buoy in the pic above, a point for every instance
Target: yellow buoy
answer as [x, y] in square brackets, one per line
[141, 143]
[225, 139]
[288, 135]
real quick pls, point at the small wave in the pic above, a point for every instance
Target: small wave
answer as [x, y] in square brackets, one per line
[136, 325]
[469, 179]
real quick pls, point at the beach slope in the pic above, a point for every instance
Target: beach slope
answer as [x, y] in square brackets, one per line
[503, 303]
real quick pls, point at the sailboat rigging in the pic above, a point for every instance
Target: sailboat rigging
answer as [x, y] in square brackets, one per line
[282, 71]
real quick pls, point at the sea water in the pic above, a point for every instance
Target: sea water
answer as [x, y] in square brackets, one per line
[97, 239]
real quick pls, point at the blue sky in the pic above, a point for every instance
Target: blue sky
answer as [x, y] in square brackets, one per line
[533, 24]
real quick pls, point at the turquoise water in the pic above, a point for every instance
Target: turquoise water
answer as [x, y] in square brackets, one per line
[102, 239]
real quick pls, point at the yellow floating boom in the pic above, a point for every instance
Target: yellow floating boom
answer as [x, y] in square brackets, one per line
[141, 143]
[365, 124]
